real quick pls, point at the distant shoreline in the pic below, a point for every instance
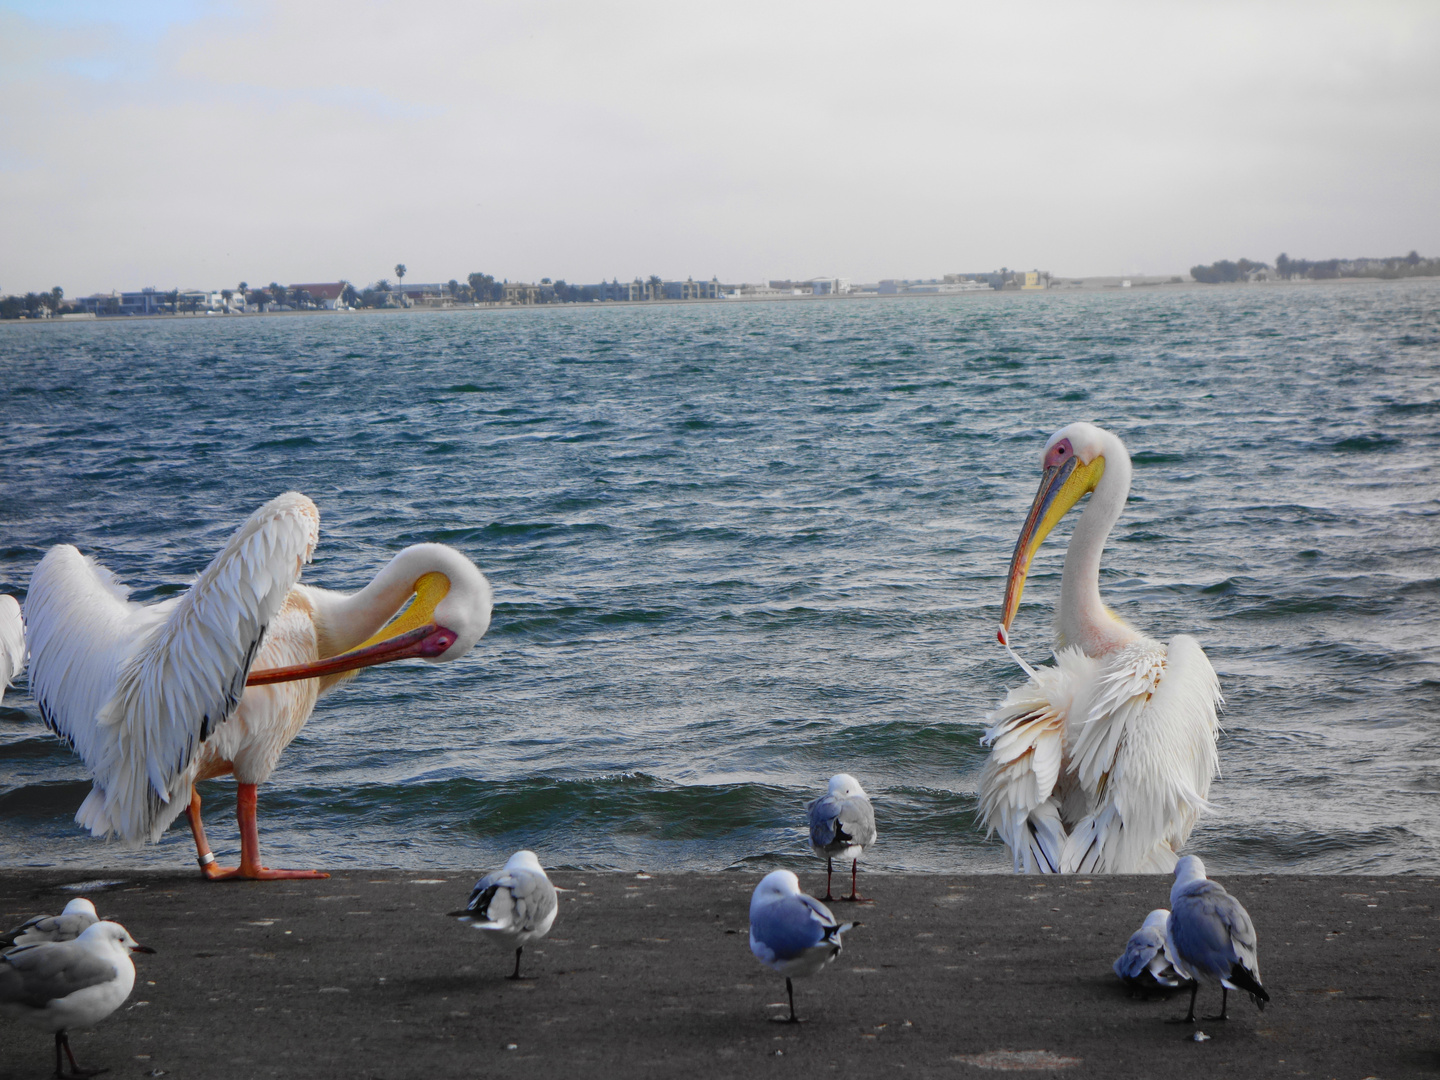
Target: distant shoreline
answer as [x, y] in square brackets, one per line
[1092, 285]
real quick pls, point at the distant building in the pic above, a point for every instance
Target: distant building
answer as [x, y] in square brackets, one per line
[429, 294]
[690, 289]
[520, 292]
[323, 294]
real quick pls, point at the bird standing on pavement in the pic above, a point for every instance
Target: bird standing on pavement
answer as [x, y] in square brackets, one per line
[79, 915]
[57, 985]
[842, 826]
[1145, 966]
[790, 932]
[517, 903]
[220, 679]
[1099, 764]
[1211, 938]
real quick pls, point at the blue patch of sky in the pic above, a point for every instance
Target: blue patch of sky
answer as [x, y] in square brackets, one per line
[137, 16]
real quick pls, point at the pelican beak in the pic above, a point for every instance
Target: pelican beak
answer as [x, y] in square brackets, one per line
[1061, 487]
[413, 633]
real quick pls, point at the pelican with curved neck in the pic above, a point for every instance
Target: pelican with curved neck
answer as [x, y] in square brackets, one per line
[1079, 460]
[429, 602]
[1101, 762]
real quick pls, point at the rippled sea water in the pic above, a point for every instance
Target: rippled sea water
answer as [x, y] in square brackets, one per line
[739, 548]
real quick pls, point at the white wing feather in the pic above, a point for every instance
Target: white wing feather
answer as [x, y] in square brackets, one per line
[134, 689]
[1145, 758]
[1027, 741]
[12, 641]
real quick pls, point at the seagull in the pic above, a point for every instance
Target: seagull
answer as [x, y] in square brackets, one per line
[12, 641]
[79, 915]
[518, 903]
[58, 985]
[1211, 938]
[793, 933]
[842, 825]
[1145, 965]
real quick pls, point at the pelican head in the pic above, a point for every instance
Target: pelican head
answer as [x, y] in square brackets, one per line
[449, 611]
[1073, 463]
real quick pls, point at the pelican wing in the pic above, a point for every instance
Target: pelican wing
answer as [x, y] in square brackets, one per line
[1018, 796]
[1145, 756]
[12, 641]
[134, 690]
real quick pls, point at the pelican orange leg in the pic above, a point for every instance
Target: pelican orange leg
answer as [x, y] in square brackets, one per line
[250, 867]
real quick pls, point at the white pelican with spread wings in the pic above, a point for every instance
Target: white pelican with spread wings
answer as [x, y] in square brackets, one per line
[221, 678]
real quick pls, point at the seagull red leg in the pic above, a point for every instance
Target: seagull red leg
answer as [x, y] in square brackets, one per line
[829, 869]
[854, 896]
[76, 1072]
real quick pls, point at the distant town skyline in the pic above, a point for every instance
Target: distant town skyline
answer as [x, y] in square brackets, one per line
[193, 142]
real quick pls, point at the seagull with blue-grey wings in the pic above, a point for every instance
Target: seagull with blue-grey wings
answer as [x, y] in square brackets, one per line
[842, 826]
[517, 904]
[791, 932]
[1211, 938]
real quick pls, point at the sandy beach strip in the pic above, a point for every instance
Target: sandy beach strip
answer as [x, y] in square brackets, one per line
[363, 976]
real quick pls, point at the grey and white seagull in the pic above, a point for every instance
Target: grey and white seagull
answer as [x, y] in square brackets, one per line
[1145, 966]
[79, 915]
[1211, 938]
[842, 826]
[517, 903]
[57, 985]
[791, 932]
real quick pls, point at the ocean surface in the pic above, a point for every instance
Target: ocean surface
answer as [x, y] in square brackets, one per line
[739, 548]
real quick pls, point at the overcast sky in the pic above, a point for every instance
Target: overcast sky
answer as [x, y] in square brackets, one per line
[186, 143]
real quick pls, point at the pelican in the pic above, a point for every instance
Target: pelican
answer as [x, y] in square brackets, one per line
[1102, 762]
[12, 641]
[221, 678]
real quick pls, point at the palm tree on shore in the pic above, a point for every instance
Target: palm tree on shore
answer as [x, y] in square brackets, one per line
[400, 285]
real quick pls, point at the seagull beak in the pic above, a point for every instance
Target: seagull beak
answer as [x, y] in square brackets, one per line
[413, 633]
[142, 948]
[1061, 487]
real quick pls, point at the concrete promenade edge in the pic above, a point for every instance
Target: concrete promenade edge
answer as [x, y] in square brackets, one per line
[651, 976]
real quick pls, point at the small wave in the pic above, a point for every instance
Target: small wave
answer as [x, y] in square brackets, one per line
[56, 798]
[1159, 457]
[1364, 443]
[285, 444]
